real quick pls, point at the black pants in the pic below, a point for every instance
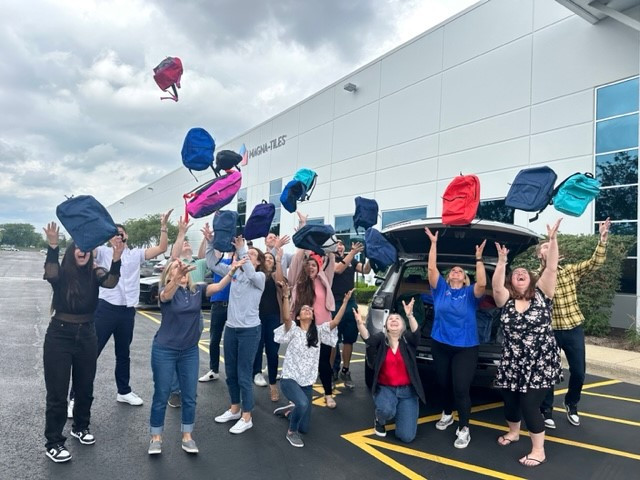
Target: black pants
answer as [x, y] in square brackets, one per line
[518, 405]
[324, 368]
[455, 368]
[117, 321]
[68, 347]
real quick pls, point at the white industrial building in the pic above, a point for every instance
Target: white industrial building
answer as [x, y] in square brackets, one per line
[503, 85]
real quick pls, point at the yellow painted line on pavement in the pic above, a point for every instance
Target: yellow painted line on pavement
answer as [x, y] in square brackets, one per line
[612, 397]
[150, 317]
[550, 438]
[602, 417]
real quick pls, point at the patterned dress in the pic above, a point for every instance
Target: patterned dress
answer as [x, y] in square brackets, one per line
[530, 355]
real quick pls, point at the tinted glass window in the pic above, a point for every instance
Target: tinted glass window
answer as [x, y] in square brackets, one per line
[617, 203]
[620, 168]
[617, 99]
[315, 221]
[405, 214]
[495, 210]
[617, 134]
[242, 207]
[275, 188]
[344, 224]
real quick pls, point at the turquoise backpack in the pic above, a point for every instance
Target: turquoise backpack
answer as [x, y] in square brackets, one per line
[308, 178]
[575, 193]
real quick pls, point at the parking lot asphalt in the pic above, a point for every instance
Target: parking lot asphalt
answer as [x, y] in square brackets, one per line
[340, 444]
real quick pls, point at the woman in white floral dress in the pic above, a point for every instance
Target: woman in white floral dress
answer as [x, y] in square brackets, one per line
[530, 363]
[300, 367]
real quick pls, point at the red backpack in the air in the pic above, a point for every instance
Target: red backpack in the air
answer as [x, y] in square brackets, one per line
[460, 200]
[167, 74]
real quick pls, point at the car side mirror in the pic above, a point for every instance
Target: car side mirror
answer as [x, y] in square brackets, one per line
[379, 281]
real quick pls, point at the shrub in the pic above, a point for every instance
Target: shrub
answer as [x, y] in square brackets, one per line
[597, 289]
[364, 293]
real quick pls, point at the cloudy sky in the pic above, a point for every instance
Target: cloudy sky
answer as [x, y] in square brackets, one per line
[81, 114]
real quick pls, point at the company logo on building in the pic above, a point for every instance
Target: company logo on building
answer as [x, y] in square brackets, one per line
[268, 146]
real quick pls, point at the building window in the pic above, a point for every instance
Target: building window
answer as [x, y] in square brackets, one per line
[275, 189]
[345, 231]
[315, 221]
[495, 210]
[616, 166]
[242, 208]
[390, 217]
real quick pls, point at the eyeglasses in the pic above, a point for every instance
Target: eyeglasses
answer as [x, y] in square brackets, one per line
[306, 307]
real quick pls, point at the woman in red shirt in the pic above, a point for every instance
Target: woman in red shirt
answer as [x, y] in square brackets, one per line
[396, 381]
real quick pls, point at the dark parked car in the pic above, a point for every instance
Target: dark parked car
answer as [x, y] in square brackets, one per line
[408, 278]
[146, 269]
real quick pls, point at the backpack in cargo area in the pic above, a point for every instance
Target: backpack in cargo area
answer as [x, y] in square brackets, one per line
[379, 250]
[315, 238]
[167, 75]
[532, 190]
[87, 221]
[224, 230]
[212, 196]
[460, 200]
[259, 222]
[197, 150]
[366, 214]
[575, 193]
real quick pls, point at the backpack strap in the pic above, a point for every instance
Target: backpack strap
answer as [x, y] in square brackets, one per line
[307, 195]
[173, 96]
[553, 194]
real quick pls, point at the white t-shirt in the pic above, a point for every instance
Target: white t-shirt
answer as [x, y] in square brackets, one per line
[127, 292]
[300, 361]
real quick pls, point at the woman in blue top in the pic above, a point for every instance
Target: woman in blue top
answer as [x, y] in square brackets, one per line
[175, 347]
[455, 337]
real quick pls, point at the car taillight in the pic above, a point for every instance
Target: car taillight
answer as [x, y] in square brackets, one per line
[378, 301]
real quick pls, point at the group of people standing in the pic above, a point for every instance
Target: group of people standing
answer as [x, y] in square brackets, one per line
[264, 299]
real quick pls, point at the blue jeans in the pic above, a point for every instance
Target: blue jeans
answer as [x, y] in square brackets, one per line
[118, 321]
[572, 342]
[269, 324]
[240, 346]
[300, 416]
[401, 403]
[218, 319]
[164, 363]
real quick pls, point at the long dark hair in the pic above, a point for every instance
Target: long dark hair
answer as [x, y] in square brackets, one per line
[528, 294]
[261, 267]
[305, 293]
[312, 333]
[74, 277]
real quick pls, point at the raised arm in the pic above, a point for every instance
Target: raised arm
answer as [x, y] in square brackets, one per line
[500, 292]
[336, 320]
[279, 272]
[432, 268]
[216, 287]
[51, 263]
[285, 311]
[257, 278]
[153, 252]
[481, 275]
[341, 266]
[111, 278]
[364, 269]
[548, 278]
[408, 311]
[179, 270]
[176, 250]
[362, 328]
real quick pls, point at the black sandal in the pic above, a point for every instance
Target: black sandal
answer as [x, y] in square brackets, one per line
[528, 458]
[507, 441]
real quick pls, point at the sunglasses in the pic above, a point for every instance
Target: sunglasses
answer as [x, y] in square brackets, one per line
[121, 235]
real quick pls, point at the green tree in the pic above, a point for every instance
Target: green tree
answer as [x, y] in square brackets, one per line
[145, 232]
[597, 290]
[20, 234]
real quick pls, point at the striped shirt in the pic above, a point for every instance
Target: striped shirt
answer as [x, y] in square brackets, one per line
[566, 311]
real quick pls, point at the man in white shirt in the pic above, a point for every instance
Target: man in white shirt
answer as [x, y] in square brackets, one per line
[115, 314]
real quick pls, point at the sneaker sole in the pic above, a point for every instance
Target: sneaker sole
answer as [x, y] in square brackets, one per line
[83, 442]
[575, 424]
[550, 425]
[190, 450]
[58, 460]
[461, 446]
[174, 406]
[379, 434]
[293, 444]
[444, 427]
[228, 419]
[155, 452]
[240, 431]
[129, 403]
[280, 411]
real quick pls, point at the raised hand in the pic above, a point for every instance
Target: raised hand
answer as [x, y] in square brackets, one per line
[279, 254]
[236, 264]
[358, 317]
[552, 231]
[52, 232]
[432, 237]
[282, 241]
[302, 218]
[207, 233]
[118, 247]
[357, 247]
[347, 296]
[408, 307]
[183, 226]
[284, 287]
[604, 230]
[165, 218]
[238, 242]
[503, 252]
[480, 249]
[180, 269]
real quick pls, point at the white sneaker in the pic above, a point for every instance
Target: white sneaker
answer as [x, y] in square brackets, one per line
[259, 380]
[70, 405]
[210, 375]
[444, 422]
[464, 437]
[228, 416]
[130, 398]
[241, 426]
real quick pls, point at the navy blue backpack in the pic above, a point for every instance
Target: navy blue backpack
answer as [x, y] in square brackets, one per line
[87, 221]
[532, 190]
[197, 150]
[378, 250]
[366, 214]
[259, 222]
[224, 230]
[314, 238]
[293, 192]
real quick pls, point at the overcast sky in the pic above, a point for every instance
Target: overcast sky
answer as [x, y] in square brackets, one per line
[81, 114]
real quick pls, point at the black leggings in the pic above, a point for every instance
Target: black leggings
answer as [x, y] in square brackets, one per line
[324, 368]
[455, 368]
[528, 404]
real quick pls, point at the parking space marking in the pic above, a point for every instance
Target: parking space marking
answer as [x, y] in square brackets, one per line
[602, 417]
[613, 397]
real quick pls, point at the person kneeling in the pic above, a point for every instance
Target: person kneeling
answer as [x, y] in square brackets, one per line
[396, 381]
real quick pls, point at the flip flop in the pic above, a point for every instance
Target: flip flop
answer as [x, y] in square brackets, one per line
[539, 462]
[507, 441]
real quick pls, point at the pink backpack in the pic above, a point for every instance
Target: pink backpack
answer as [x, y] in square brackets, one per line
[167, 74]
[212, 196]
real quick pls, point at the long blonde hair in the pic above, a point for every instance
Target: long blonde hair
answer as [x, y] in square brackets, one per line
[165, 276]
